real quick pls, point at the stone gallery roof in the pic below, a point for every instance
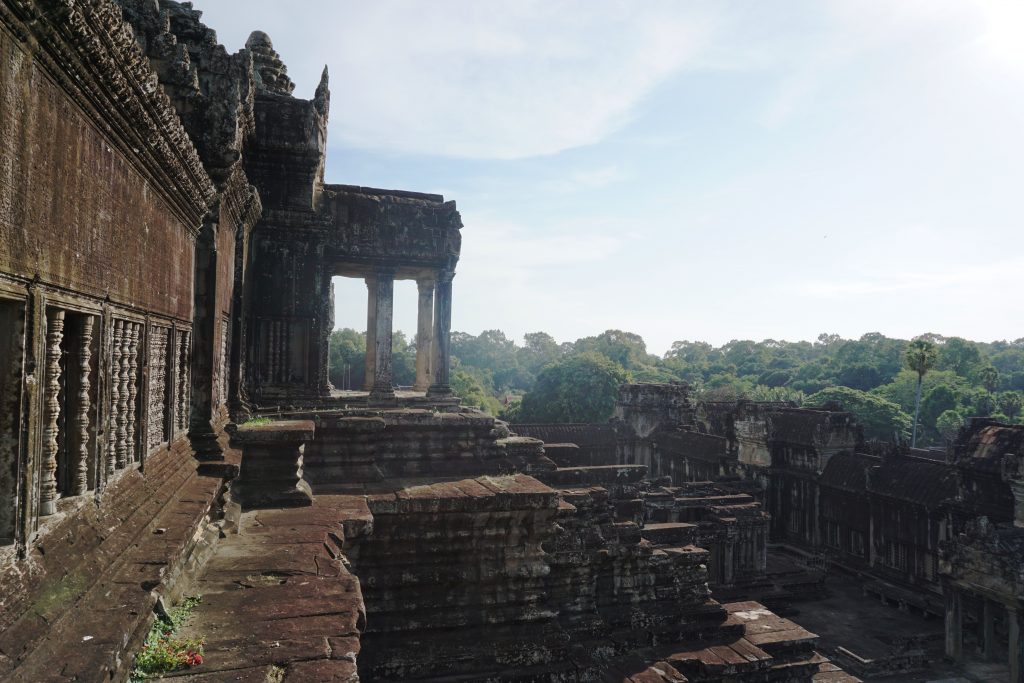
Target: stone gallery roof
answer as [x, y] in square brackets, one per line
[581, 434]
[808, 426]
[848, 471]
[915, 480]
[985, 443]
[690, 444]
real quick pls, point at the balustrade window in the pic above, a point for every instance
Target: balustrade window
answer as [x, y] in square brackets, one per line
[67, 463]
[12, 360]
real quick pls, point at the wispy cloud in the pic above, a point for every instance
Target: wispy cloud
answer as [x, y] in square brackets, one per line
[488, 79]
[975, 279]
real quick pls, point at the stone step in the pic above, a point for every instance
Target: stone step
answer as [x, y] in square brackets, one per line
[102, 607]
[669, 533]
[599, 475]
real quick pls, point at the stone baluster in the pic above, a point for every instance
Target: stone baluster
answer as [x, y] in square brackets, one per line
[441, 388]
[133, 391]
[51, 412]
[115, 396]
[181, 410]
[1015, 642]
[954, 624]
[83, 404]
[424, 334]
[274, 355]
[122, 396]
[371, 333]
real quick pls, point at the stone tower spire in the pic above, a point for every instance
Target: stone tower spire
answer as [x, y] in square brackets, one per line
[271, 72]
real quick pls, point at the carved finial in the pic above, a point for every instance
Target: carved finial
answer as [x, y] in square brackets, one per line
[272, 74]
[322, 99]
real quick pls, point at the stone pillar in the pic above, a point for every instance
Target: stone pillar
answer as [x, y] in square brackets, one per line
[987, 629]
[371, 333]
[383, 384]
[113, 415]
[271, 470]
[51, 413]
[122, 396]
[80, 456]
[441, 388]
[954, 624]
[424, 334]
[1013, 619]
[131, 440]
[728, 547]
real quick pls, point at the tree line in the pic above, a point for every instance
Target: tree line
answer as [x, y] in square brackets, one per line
[875, 377]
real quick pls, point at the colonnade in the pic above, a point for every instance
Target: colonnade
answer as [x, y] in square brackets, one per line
[955, 604]
[433, 335]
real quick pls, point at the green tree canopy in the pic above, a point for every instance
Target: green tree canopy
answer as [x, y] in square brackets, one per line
[582, 388]
[948, 424]
[880, 419]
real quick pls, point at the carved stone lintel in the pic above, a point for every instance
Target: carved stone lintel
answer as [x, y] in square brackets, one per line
[80, 458]
[51, 412]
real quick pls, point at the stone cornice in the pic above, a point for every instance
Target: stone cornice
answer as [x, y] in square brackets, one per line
[91, 53]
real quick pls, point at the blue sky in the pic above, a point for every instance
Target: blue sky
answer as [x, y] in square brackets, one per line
[686, 170]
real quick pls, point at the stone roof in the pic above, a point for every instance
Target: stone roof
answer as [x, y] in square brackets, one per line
[694, 445]
[582, 434]
[847, 471]
[915, 480]
[985, 443]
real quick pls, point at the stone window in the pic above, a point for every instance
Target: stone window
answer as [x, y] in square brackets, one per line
[831, 533]
[895, 555]
[857, 543]
[12, 359]
[68, 382]
[159, 428]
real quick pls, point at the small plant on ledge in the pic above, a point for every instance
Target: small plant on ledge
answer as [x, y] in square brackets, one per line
[165, 652]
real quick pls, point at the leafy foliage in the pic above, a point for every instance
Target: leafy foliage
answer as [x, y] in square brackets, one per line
[164, 652]
[880, 419]
[582, 388]
[492, 371]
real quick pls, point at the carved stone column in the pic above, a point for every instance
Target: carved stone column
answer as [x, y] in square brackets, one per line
[383, 383]
[133, 391]
[954, 624]
[371, 333]
[1016, 645]
[80, 456]
[441, 388]
[51, 413]
[184, 363]
[987, 628]
[113, 426]
[122, 395]
[424, 334]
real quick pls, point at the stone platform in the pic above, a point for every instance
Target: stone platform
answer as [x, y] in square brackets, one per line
[278, 601]
[80, 607]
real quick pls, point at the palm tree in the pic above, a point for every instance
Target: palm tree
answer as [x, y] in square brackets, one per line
[989, 377]
[919, 356]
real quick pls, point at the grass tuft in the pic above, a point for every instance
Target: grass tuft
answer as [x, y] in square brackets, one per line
[163, 651]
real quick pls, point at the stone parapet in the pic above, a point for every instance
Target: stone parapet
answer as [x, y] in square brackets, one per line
[271, 470]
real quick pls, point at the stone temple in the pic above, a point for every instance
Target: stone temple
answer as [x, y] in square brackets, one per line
[167, 247]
